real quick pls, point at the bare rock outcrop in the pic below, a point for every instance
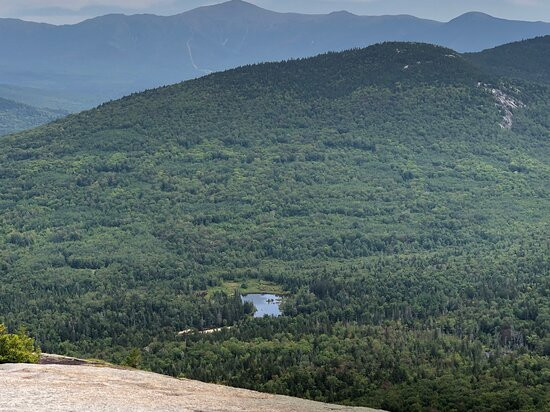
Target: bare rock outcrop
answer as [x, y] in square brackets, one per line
[506, 103]
[88, 387]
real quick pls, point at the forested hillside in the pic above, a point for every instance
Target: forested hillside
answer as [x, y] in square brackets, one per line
[527, 59]
[16, 116]
[398, 195]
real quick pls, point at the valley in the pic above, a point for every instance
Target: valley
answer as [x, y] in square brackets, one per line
[15, 117]
[402, 213]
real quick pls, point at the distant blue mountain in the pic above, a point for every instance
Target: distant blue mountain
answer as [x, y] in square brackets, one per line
[113, 55]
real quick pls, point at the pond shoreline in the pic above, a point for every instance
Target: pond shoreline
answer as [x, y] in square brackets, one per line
[265, 304]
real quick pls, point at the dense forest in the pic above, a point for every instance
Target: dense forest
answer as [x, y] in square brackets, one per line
[527, 59]
[378, 189]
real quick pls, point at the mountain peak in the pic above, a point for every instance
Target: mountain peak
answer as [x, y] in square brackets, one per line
[237, 5]
[473, 16]
[342, 13]
[231, 8]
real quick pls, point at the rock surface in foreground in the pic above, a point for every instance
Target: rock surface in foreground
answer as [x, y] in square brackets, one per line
[91, 388]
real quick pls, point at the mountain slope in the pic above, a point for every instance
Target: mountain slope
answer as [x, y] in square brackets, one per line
[527, 60]
[16, 116]
[376, 188]
[114, 55]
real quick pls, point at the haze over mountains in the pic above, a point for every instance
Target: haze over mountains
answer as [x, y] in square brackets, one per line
[114, 55]
[16, 116]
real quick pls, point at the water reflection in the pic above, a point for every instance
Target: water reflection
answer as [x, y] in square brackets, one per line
[266, 304]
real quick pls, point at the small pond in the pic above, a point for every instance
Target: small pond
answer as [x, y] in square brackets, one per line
[265, 303]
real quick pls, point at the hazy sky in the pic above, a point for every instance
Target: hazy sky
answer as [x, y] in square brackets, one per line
[70, 11]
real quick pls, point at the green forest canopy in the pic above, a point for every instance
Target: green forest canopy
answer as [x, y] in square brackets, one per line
[375, 186]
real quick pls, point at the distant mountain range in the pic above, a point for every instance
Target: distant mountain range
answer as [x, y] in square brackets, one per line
[114, 55]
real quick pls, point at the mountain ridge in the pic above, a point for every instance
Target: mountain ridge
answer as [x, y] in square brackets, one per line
[526, 59]
[110, 56]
